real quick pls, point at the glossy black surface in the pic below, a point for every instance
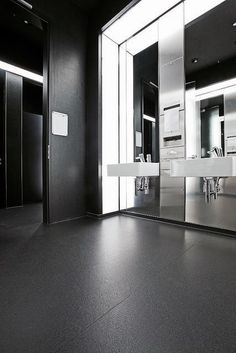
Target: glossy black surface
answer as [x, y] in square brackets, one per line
[32, 97]
[115, 285]
[14, 166]
[2, 141]
[32, 158]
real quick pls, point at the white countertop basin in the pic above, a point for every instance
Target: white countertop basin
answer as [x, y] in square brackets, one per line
[204, 167]
[133, 169]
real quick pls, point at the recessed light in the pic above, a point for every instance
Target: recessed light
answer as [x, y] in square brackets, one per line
[26, 22]
[195, 60]
[234, 24]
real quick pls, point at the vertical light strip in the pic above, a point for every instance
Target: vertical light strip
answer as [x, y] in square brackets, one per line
[110, 142]
[123, 125]
[130, 127]
[127, 185]
[193, 124]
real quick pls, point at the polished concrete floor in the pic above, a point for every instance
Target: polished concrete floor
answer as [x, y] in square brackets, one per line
[120, 285]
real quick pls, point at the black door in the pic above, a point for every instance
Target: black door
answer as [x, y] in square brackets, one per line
[2, 141]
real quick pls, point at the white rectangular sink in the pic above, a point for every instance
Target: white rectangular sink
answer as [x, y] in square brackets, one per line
[133, 169]
[204, 167]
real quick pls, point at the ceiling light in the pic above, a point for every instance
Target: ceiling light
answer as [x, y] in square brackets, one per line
[234, 24]
[139, 16]
[195, 60]
[195, 9]
[26, 22]
[149, 118]
[21, 72]
[216, 89]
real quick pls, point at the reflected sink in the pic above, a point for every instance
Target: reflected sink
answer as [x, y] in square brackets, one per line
[133, 169]
[204, 167]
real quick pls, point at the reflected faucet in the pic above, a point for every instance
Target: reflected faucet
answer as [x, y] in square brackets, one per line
[142, 183]
[211, 186]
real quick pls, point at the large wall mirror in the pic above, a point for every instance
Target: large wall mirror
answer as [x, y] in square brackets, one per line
[210, 70]
[175, 100]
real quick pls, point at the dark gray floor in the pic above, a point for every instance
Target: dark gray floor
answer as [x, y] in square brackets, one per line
[120, 285]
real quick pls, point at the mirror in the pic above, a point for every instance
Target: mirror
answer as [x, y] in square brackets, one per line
[210, 72]
[141, 105]
[150, 124]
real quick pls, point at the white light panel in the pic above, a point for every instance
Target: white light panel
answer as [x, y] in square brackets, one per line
[130, 195]
[123, 125]
[215, 90]
[110, 149]
[137, 18]
[21, 72]
[143, 39]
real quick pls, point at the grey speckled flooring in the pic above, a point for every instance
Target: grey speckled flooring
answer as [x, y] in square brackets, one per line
[120, 285]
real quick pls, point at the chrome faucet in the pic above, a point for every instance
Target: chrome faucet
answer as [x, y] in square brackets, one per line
[142, 183]
[211, 186]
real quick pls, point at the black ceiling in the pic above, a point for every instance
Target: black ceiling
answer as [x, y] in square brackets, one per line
[87, 4]
[211, 38]
[21, 37]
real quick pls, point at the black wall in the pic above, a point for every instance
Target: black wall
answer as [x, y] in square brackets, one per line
[32, 97]
[97, 19]
[67, 72]
[32, 142]
[73, 71]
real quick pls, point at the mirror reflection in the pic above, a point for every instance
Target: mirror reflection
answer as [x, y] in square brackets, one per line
[146, 124]
[210, 70]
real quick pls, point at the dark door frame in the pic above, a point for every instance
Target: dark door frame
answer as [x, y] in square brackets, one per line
[46, 120]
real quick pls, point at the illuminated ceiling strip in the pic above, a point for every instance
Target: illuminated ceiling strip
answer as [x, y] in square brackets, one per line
[146, 11]
[143, 39]
[195, 9]
[139, 16]
[149, 118]
[21, 72]
[215, 90]
[26, 4]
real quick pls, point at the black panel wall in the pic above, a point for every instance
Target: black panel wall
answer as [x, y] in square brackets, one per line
[32, 142]
[67, 55]
[14, 103]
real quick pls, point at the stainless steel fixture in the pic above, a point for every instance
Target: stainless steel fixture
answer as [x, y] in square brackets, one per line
[172, 115]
